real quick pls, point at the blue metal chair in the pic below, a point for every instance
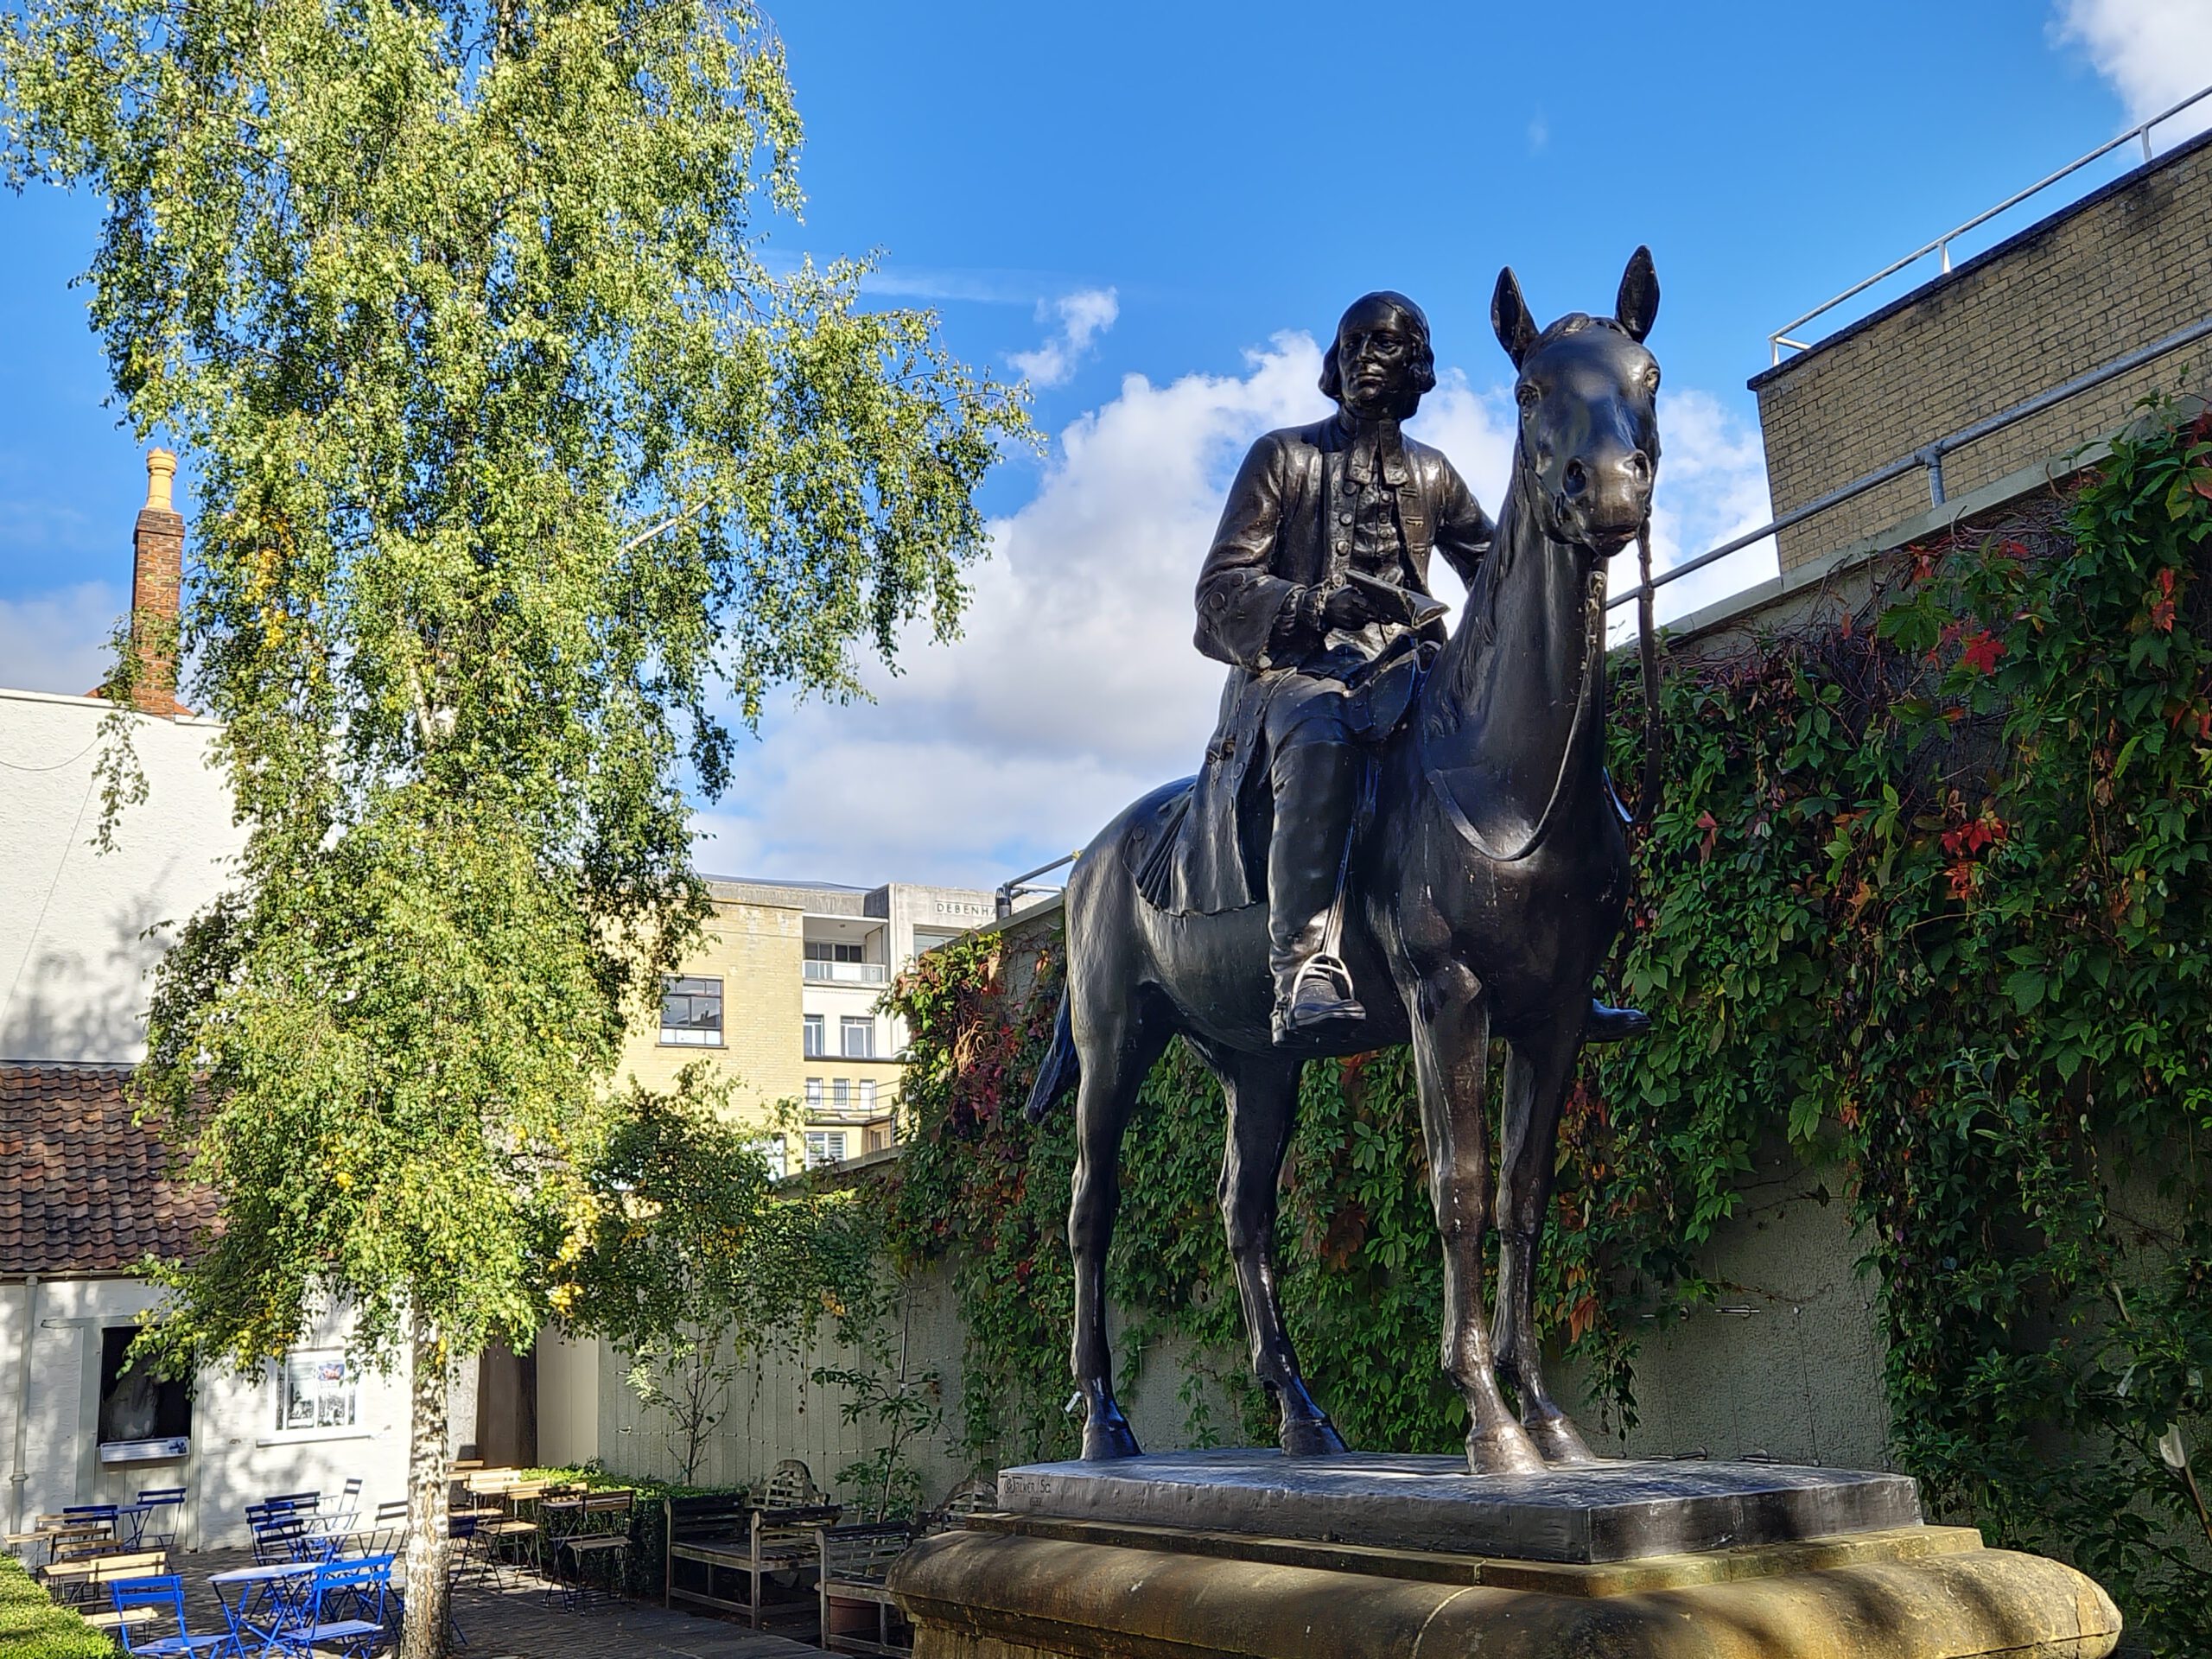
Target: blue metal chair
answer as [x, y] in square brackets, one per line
[164, 1591]
[167, 1504]
[344, 1612]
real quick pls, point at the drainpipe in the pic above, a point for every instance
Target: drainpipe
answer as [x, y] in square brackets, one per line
[20, 1476]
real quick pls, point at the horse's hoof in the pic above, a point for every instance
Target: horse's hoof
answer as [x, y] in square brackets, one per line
[1504, 1451]
[1104, 1441]
[1312, 1437]
[1559, 1443]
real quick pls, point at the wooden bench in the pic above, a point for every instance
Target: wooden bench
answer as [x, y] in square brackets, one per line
[74, 1578]
[858, 1614]
[743, 1543]
[113, 1620]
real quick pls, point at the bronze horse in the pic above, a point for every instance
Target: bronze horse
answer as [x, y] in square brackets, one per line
[1485, 889]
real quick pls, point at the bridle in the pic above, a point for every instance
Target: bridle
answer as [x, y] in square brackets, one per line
[1593, 653]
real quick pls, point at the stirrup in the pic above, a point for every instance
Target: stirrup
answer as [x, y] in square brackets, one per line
[1296, 1021]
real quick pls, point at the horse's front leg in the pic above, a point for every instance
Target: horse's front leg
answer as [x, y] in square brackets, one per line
[1537, 1073]
[1263, 1092]
[1451, 1043]
[1113, 1062]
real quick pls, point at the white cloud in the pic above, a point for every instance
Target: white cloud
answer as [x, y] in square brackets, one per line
[1712, 489]
[2154, 52]
[1076, 687]
[58, 640]
[1084, 315]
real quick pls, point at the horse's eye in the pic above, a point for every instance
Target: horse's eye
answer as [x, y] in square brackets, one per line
[1651, 379]
[1526, 395]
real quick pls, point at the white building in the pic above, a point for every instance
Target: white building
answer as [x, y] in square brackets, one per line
[85, 1194]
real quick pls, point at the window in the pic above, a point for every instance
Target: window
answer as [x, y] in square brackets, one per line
[691, 1012]
[816, 1042]
[867, 1094]
[855, 1037]
[830, 950]
[314, 1391]
[841, 1093]
[134, 1404]
[928, 938]
[825, 1147]
[772, 1152]
[814, 1093]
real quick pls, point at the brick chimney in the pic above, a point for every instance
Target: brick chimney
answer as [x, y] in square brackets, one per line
[157, 577]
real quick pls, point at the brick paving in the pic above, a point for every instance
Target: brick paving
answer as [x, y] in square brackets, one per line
[517, 1622]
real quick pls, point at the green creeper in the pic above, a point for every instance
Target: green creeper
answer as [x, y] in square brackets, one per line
[512, 457]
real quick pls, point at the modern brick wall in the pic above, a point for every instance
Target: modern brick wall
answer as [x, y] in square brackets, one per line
[2125, 266]
[754, 949]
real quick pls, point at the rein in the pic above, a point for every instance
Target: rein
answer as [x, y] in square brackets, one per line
[1647, 646]
[1593, 653]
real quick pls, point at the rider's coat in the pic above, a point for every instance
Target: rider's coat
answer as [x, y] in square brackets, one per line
[1309, 504]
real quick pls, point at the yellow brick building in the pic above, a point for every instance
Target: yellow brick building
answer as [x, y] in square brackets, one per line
[783, 996]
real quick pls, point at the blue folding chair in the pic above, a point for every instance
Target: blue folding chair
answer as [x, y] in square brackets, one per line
[344, 1610]
[165, 1504]
[164, 1591]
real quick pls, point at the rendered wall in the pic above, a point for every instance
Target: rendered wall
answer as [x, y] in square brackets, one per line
[74, 953]
[2124, 267]
[238, 1454]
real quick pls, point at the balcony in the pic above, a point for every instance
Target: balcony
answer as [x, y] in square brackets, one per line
[846, 973]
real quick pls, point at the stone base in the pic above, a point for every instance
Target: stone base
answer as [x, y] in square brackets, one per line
[1084, 1567]
[1616, 1510]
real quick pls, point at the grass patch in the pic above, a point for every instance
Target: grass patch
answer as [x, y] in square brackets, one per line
[32, 1627]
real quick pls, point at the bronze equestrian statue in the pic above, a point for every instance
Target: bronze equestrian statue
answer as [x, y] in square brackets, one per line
[1440, 849]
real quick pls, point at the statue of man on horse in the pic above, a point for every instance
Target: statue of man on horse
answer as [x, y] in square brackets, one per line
[1400, 836]
[1316, 593]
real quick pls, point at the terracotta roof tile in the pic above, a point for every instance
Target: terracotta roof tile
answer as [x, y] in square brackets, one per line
[82, 1189]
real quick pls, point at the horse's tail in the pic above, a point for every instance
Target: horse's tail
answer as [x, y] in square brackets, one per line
[1060, 1069]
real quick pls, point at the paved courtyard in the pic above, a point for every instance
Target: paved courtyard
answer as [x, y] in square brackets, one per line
[518, 1623]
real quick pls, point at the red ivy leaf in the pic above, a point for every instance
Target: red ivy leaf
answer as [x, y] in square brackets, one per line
[1982, 651]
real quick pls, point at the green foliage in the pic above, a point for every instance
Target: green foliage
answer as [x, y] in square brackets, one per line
[1929, 904]
[905, 1406]
[512, 454]
[32, 1627]
[694, 1259]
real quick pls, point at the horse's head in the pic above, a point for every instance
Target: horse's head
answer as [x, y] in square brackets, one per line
[1585, 387]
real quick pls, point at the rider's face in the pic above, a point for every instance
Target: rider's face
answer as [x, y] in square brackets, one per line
[1374, 362]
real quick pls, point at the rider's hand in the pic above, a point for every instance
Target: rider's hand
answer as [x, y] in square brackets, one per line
[1346, 608]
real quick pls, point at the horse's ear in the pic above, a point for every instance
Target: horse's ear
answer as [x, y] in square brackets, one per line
[1637, 307]
[1508, 315]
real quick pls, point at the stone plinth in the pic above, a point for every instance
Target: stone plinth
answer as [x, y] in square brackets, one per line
[1107, 1576]
[1615, 1511]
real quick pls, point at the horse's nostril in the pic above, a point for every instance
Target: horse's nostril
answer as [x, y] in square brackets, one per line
[1638, 465]
[1577, 478]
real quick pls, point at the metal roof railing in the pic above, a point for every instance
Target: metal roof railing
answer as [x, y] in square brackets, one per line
[1941, 245]
[1930, 455]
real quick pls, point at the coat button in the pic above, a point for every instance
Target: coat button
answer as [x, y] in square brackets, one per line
[1344, 518]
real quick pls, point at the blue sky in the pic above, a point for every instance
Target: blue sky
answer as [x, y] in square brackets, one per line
[1154, 210]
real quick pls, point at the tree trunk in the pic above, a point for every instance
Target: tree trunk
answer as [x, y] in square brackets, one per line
[430, 1469]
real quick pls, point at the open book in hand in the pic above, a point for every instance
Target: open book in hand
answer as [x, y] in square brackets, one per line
[1391, 603]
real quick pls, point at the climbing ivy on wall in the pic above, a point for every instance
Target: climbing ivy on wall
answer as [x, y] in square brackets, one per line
[1929, 904]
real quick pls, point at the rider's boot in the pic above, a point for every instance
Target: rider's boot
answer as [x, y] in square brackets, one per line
[1611, 1024]
[1316, 792]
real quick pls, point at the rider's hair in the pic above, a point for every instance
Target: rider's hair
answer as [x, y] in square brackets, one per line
[1332, 383]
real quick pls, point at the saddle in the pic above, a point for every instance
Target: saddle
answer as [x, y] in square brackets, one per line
[1191, 851]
